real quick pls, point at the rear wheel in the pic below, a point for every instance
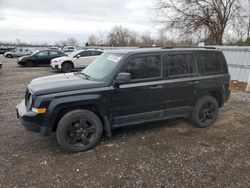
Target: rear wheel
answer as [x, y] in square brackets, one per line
[67, 67]
[9, 56]
[205, 111]
[79, 130]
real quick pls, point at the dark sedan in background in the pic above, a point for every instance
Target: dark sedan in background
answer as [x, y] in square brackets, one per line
[41, 58]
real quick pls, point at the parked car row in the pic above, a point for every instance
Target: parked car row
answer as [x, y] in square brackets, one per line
[18, 52]
[5, 49]
[59, 60]
[11, 52]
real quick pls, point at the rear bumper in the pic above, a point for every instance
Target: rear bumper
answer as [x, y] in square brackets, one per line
[28, 120]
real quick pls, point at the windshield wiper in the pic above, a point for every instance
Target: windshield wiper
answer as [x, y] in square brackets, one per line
[86, 76]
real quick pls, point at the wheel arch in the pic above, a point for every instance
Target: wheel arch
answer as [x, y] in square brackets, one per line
[62, 106]
[217, 94]
[68, 61]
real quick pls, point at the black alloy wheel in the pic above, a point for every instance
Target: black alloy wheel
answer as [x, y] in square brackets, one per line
[67, 67]
[80, 133]
[205, 111]
[79, 130]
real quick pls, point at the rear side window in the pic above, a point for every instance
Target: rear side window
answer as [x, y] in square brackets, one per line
[210, 63]
[54, 53]
[85, 53]
[181, 65]
[144, 67]
[94, 53]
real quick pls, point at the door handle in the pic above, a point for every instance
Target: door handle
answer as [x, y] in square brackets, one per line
[156, 87]
[194, 82]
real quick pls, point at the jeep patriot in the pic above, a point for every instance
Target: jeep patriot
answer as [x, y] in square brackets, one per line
[127, 87]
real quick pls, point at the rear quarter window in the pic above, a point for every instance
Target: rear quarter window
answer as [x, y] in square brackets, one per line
[210, 63]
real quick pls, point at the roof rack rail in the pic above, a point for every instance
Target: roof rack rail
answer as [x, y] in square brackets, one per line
[205, 47]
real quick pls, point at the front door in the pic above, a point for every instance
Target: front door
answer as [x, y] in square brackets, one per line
[42, 58]
[141, 99]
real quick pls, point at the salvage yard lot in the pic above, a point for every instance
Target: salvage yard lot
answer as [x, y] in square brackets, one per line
[164, 154]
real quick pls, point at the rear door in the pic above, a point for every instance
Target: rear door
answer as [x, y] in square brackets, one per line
[142, 99]
[84, 60]
[181, 83]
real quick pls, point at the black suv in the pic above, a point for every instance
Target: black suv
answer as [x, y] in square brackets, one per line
[127, 87]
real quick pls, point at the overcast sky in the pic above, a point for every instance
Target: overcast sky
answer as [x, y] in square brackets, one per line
[53, 20]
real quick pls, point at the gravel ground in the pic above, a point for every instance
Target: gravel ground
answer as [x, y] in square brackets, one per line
[165, 154]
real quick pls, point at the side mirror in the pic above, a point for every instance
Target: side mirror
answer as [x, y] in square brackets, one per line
[122, 78]
[78, 56]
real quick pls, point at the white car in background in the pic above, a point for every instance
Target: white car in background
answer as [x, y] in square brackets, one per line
[68, 51]
[76, 60]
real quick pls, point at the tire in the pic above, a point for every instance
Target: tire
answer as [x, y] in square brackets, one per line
[29, 64]
[9, 56]
[205, 111]
[67, 67]
[79, 130]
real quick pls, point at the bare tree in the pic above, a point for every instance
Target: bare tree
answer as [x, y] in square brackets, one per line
[72, 41]
[93, 40]
[119, 36]
[191, 16]
[146, 39]
[248, 19]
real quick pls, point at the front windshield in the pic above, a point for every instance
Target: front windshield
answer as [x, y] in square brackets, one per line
[103, 66]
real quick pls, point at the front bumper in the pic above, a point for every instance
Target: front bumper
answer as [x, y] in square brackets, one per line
[55, 66]
[20, 62]
[28, 120]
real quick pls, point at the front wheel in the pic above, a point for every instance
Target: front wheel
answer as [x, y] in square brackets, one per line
[67, 67]
[205, 112]
[79, 130]
[29, 64]
[9, 56]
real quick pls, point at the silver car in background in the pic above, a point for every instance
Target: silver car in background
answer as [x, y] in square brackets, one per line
[18, 52]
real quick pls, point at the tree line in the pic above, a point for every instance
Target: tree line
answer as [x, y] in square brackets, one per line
[212, 21]
[186, 22]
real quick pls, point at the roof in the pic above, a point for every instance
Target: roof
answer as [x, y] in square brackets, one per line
[168, 49]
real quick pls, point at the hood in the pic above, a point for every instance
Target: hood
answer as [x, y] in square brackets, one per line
[63, 58]
[24, 57]
[61, 83]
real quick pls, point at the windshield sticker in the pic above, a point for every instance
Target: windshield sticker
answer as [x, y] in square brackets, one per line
[114, 58]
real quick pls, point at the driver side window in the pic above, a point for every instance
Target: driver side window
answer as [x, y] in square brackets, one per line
[42, 54]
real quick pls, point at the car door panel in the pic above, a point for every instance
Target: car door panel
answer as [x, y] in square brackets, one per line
[140, 100]
[182, 89]
[136, 102]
